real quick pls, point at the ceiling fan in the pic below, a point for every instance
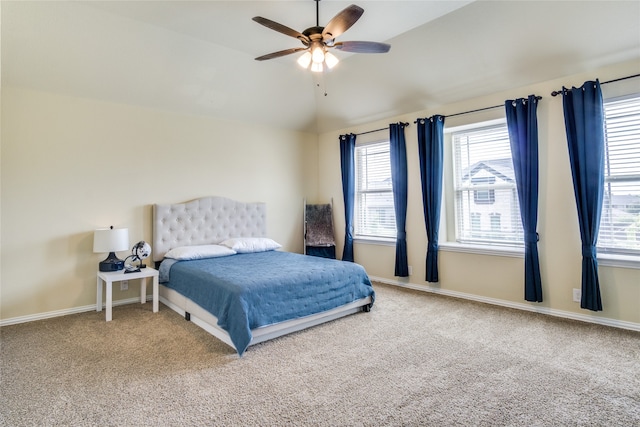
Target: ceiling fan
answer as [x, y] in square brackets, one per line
[316, 40]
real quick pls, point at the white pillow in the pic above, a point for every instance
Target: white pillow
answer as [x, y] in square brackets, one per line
[199, 252]
[245, 245]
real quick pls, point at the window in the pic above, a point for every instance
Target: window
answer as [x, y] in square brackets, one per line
[486, 198]
[495, 221]
[620, 222]
[476, 220]
[374, 211]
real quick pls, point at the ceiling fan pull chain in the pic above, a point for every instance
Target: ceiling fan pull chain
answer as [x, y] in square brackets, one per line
[324, 84]
[321, 84]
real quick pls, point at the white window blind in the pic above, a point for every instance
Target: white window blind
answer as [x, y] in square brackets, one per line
[486, 198]
[620, 221]
[374, 210]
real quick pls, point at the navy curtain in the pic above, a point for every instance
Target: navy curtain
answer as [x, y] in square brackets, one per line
[398, 153]
[430, 146]
[347, 164]
[584, 123]
[522, 121]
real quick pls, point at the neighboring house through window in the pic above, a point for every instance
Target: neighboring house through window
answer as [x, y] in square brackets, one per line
[486, 200]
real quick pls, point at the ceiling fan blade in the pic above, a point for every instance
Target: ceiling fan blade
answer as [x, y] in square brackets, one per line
[280, 53]
[342, 22]
[363, 47]
[280, 28]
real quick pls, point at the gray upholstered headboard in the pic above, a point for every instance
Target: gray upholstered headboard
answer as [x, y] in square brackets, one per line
[209, 220]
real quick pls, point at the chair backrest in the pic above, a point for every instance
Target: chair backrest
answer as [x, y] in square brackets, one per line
[319, 225]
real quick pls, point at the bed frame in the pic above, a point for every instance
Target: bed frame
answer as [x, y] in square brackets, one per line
[211, 220]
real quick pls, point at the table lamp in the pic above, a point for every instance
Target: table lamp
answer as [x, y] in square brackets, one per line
[111, 240]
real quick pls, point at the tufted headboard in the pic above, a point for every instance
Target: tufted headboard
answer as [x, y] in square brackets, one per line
[208, 220]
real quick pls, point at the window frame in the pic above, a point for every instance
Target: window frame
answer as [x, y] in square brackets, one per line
[358, 234]
[615, 256]
[488, 244]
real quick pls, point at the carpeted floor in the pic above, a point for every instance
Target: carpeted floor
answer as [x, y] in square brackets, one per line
[415, 359]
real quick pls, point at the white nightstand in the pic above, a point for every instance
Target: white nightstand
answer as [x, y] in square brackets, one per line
[117, 276]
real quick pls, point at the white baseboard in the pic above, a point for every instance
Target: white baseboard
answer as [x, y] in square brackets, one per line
[510, 304]
[75, 310]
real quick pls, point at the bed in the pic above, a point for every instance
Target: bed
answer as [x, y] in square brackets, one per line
[255, 292]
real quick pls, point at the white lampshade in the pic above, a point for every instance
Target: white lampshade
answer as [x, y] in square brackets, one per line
[330, 59]
[317, 55]
[110, 239]
[316, 67]
[305, 59]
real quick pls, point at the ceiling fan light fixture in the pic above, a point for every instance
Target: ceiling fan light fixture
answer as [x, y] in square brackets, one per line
[305, 60]
[317, 39]
[330, 59]
[317, 54]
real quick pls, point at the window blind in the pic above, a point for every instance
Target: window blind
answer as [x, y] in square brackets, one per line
[620, 221]
[375, 214]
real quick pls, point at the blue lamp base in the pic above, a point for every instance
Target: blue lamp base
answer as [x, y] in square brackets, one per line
[111, 263]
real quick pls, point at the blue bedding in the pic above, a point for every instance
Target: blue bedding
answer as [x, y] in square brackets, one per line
[247, 291]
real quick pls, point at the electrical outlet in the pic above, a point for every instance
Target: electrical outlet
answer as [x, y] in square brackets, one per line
[577, 295]
[410, 270]
[124, 285]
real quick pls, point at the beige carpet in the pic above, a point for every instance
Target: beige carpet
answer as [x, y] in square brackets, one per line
[415, 359]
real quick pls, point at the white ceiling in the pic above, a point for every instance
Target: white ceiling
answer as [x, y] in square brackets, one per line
[197, 57]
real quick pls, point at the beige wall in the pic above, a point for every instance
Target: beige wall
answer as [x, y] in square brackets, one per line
[70, 165]
[492, 277]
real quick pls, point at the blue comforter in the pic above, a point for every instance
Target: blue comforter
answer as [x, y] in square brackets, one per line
[247, 291]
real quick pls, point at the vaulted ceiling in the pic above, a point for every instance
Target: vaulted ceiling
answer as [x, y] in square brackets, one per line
[197, 57]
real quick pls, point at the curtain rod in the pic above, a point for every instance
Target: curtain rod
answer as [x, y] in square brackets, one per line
[378, 130]
[559, 92]
[479, 109]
